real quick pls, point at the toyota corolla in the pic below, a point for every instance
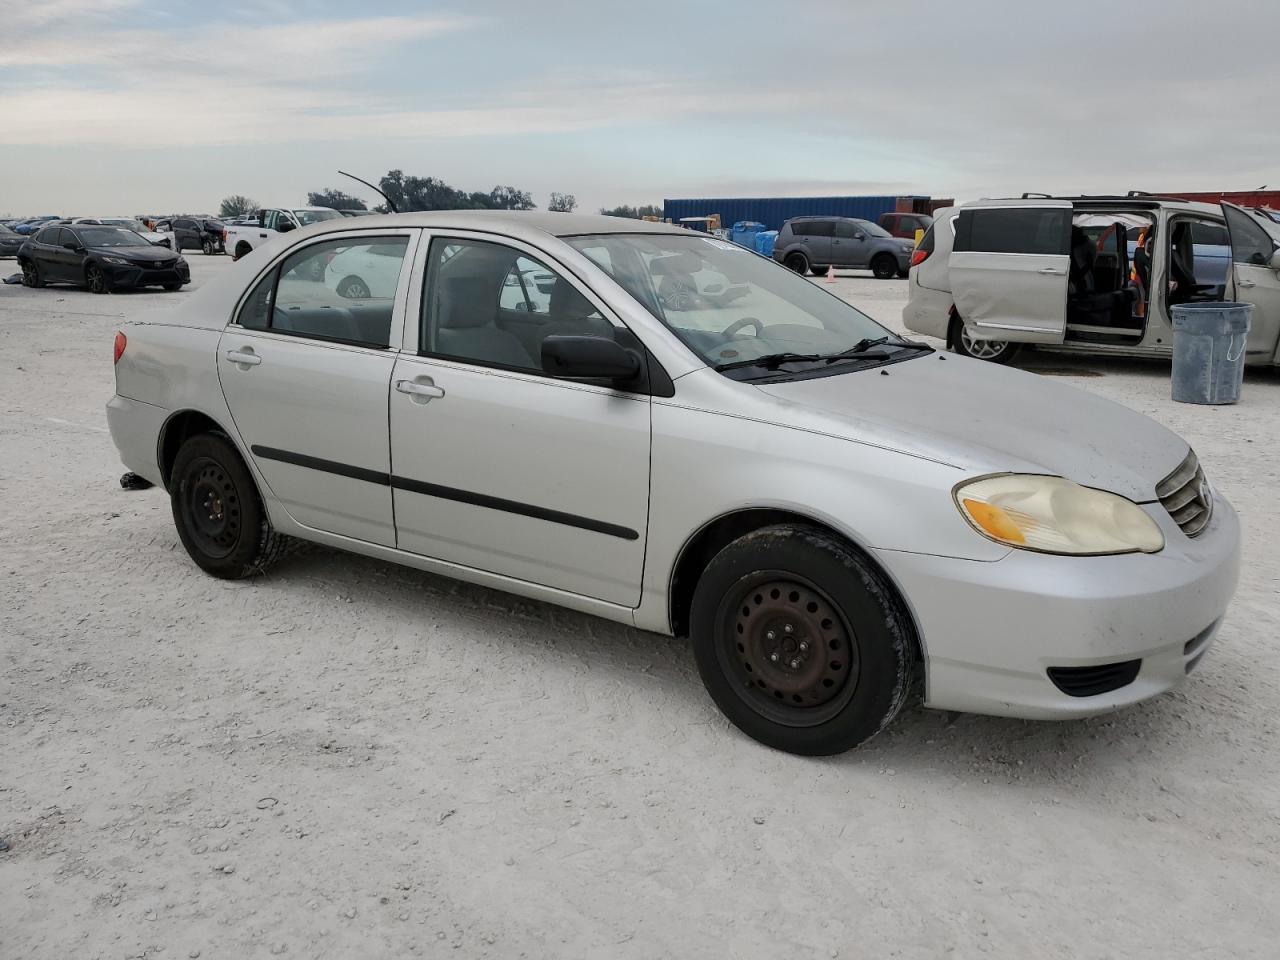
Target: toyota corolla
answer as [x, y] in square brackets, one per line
[830, 513]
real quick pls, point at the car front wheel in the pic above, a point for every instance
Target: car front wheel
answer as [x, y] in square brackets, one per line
[995, 351]
[216, 508]
[801, 641]
[31, 274]
[797, 262]
[884, 267]
[96, 279]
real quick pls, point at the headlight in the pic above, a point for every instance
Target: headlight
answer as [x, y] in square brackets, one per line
[1054, 515]
[182, 261]
[114, 260]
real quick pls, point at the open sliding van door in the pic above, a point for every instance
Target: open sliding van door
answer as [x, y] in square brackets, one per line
[1009, 267]
[1255, 276]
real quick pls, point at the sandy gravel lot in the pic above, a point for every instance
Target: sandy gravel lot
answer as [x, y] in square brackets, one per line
[347, 759]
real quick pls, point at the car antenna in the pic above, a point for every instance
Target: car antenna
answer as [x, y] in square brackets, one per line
[371, 187]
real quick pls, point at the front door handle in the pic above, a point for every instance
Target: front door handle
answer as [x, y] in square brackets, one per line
[420, 391]
[1246, 284]
[244, 357]
[1052, 272]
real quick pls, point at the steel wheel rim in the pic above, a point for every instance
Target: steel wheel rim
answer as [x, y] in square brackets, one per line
[212, 507]
[981, 349]
[787, 649]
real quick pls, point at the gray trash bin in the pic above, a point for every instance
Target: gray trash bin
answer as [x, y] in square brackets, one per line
[1208, 351]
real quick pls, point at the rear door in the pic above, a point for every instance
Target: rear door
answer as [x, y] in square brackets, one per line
[815, 237]
[306, 374]
[1255, 241]
[1008, 270]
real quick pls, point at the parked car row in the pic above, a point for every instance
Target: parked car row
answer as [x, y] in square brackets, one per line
[1091, 274]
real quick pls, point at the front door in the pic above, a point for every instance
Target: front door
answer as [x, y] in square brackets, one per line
[1009, 268]
[306, 374]
[497, 466]
[1255, 241]
[849, 245]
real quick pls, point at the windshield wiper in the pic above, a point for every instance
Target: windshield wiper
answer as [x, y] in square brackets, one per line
[770, 361]
[862, 349]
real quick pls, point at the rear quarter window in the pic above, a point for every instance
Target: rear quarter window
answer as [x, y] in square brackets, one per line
[1014, 230]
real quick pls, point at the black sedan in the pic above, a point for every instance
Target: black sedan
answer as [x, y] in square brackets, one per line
[10, 242]
[100, 258]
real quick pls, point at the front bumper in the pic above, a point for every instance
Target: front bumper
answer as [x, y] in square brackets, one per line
[991, 631]
[129, 275]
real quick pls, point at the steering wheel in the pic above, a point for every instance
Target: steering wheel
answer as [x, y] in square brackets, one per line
[737, 325]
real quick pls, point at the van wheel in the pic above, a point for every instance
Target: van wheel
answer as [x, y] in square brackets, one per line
[800, 641]
[797, 262]
[216, 508]
[884, 266]
[996, 351]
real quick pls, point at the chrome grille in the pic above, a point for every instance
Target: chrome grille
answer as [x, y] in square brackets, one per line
[1185, 494]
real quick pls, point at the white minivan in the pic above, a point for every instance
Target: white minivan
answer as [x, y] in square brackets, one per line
[1090, 274]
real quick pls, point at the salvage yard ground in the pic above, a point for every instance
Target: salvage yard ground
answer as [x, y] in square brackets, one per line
[352, 759]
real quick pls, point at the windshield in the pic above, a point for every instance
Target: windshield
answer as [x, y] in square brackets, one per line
[307, 217]
[110, 237]
[727, 304]
[874, 229]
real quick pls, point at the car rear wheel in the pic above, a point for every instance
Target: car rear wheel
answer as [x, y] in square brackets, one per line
[801, 641]
[216, 508]
[797, 262]
[996, 351]
[31, 274]
[242, 249]
[207, 247]
[354, 288]
[884, 266]
[96, 279]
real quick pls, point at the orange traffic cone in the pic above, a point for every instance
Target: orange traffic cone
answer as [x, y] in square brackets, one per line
[831, 274]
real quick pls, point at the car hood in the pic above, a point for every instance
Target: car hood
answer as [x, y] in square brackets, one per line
[135, 253]
[985, 418]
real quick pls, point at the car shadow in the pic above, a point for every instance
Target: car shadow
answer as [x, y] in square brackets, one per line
[965, 746]
[1053, 363]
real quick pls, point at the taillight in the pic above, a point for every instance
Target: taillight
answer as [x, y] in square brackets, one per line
[121, 343]
[919, 256]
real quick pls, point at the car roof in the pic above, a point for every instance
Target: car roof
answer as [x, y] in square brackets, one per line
[513, 222]
[1136, 201]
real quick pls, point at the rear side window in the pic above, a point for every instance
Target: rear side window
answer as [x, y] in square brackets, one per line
[926, 242]
[1014, 230]
[814, 228]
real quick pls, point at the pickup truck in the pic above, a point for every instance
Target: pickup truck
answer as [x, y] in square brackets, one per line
[241, 238]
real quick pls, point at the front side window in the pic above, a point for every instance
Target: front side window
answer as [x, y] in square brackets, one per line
[732, 307]
[1249, 242]
[340, 290]
[1015, 230]
[846, 229]
[493, 305]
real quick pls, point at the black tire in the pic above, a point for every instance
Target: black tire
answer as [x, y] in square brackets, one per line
[96, 280]
[884, 266]
[354, 288]
[31, 274]
[171, 287]
[903, 274]
[218, 512]
[242, 249]
[818, 271]
[848, 649]
[207, 247]
[797, 261]
[992, 351]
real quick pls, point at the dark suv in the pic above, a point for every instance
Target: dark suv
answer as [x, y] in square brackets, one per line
[196, 233]
[812, 244]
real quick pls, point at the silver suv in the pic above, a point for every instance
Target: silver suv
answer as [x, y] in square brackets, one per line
[811, 244]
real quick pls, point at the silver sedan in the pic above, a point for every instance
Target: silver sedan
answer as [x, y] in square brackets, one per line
[830, 513]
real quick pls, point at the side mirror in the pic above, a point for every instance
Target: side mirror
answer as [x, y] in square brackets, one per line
[859, 236]
[283, 225]
[588, 358]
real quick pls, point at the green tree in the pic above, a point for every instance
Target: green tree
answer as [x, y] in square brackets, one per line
[509, 198]
[635, 213]
[335, 199]
[236, 205]
[562, 203]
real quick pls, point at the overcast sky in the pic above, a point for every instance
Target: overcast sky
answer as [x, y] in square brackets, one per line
[120, 106]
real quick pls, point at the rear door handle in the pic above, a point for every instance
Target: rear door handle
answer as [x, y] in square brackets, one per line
[1052, 272]
[245, 357]
[419, 391]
